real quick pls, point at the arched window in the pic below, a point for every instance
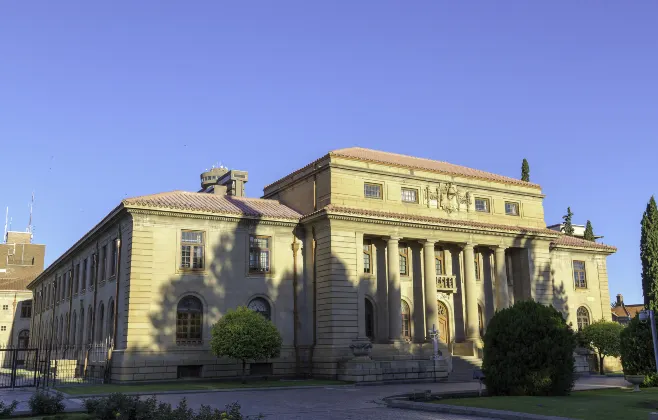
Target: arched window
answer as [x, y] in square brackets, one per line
[370, 320]
[110, 322]
[189, 317]
[406, 320]
[61, 329]
[100, 324]
[480, 321]
[74, 324]
[90, 324]
[23, 339]
[582, 316]
[81, 339]
[261, 306]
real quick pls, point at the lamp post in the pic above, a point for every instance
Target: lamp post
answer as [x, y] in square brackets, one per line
[649, 315]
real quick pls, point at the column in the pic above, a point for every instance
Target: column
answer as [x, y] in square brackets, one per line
[394, 292]
[501, 279]
[308, 321]
[470, 290]
[361, 308]
[431, 310]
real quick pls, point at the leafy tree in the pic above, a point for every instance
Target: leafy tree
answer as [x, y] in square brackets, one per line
[604, 338]
[589, 232]
[568, 227]
[525, 171]
[244, 335]
[528, 350]
[649, 255]
[637, 357]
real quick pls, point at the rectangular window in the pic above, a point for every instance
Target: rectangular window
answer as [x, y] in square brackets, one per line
[482, 205]
[77, 279]
[103, 262]
[69, 284]
[372, 190]
[404, 258]
[113, 259]
[26, 309]
[5, 307]
[477, 267]
[259, 254]
[93, 270]
[367, 257]
[192, 250]
[439, 262]
[511, 209]
[3, 328]
[83, 275]
[579, 275]
[409, 195]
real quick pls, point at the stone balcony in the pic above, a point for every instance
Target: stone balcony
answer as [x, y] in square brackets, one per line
[446, 284]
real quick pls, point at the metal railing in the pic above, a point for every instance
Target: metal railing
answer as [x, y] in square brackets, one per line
[445, 283]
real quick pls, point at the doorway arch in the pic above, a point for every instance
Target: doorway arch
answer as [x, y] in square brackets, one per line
[444, 322]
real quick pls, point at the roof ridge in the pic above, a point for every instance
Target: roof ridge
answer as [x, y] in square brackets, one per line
[401, 155]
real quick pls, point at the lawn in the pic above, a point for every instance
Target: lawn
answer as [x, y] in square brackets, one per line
[190, 386]
[587, 405]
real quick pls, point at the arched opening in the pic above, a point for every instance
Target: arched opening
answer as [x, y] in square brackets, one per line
[406, 321]
[101, 324]
[110, 323]
[582, 317]
[23, 339]
[261, 306]
[189, 315]
[370, 319]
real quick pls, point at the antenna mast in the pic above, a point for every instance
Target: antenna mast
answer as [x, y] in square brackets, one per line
[4, 237]
[29, 226]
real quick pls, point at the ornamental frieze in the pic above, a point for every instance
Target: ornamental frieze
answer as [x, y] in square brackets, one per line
[449, 197]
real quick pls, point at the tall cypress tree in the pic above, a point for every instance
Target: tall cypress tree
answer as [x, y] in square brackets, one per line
[525, 171]
[649, 255]
[589, 232]
[568, 227]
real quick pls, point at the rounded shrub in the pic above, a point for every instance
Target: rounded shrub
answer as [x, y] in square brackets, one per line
[637, 356]
[528, 350]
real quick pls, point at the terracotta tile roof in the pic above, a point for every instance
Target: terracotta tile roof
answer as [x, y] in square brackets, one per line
[627, 310]
[565, 240]
[377, 156]
[214, 203]
[394, 159]
[15, 283]
[437, 220]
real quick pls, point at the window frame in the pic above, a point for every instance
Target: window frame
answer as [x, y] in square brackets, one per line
[589, 317]
[439, 256]
[189, 340]
[192, 246]
[259, 270]
[518, 208]
[265, 314]
[26, 306]
[403, 251]
[576, 281]
[487, 204]
[367, 251]
[478, 266]
[373, 184]
[408, 189]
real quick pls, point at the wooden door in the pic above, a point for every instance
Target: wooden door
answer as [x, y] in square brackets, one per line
[444, 324]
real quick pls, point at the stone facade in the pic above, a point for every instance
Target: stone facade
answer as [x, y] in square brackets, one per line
[367, 250]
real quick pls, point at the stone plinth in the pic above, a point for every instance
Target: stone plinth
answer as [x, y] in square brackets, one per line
[395, 370]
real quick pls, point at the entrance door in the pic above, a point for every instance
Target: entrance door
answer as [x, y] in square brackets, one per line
[444, 325]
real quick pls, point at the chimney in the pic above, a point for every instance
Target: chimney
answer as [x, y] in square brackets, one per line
[620, 299]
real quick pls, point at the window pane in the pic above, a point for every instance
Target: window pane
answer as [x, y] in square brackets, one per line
[482, 205]
[186, 251]
[403, 264]
[373, 190]
[511, 209]
[192, 237]
[409, 195]
[439, 267]
[366, 263]
[197, 261]
[264, 263]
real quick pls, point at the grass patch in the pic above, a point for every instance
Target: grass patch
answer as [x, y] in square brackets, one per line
[587, 405]
[191, 386]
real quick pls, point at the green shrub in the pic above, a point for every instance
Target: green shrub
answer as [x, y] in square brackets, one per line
[244, 335]
[604, 337]
[45, 403]
[637, 357]
[528, 350]
[124, 407]
[7, 410]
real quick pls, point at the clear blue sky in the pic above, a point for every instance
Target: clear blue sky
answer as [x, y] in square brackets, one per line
[104, 100]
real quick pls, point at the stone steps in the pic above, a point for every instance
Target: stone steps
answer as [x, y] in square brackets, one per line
[463, 367]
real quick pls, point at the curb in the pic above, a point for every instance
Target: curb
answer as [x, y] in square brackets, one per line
[467, 411]
[205, 391]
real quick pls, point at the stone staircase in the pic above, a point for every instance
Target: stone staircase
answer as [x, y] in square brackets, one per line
[462, 368]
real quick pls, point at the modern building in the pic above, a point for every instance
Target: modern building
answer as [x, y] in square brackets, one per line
[623, 313]
[21, 261]
[578, 230]
[359, 253]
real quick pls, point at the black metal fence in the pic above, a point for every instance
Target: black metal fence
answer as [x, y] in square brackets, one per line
[54, 366]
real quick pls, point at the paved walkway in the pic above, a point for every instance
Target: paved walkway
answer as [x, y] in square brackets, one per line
[323, 403]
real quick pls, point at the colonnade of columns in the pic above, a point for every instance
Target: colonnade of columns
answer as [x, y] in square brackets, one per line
[470, 289]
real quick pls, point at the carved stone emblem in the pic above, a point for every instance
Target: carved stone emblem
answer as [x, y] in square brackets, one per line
[455, 199]
[441, 295]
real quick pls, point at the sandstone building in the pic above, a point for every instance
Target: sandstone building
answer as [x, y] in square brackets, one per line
[356, 248]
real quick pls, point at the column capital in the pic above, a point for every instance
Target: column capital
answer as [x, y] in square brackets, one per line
[428, 242]
[500, 248]
[391, 238]
[469, 245]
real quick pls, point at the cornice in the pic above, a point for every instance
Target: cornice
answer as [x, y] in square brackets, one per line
[214, 217]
